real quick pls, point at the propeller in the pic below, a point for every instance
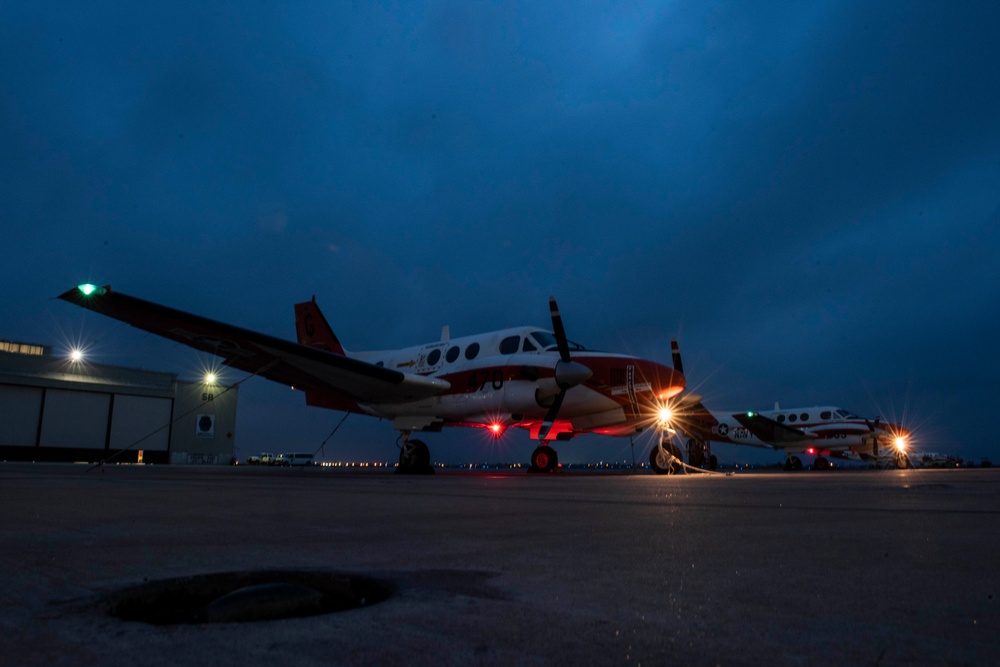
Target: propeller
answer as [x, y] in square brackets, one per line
[675, 356]
[568, 373]
[874, 430]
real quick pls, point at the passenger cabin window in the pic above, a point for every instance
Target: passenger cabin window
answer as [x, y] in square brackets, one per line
[434, 357]
[452, 354]
[804, 416]
[510, 344]
[528, 346]
[472, 351]
[781, 419]
[792, 418]
[825, 414]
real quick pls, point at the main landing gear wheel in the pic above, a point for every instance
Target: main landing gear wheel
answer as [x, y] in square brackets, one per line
[696, 453]
[793, 463]
[665, 461]
[821, 464]
[544, 459]
[414, 459]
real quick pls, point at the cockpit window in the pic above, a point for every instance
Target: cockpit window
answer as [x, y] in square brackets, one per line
[510, 344]
[544, 338]
[528, 345]
[844, 414]
[547, 341]
[825, 414]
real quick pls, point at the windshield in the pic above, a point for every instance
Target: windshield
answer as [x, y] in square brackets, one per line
[844, 414]
[547, 341]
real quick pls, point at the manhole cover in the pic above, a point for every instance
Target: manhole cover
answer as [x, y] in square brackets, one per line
[239, 597]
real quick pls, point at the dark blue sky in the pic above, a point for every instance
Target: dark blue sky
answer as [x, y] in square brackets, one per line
[807, 195]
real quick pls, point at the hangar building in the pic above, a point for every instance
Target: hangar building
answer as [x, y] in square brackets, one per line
[55, 409]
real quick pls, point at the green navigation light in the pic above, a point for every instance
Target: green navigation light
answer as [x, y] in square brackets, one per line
[88, 290]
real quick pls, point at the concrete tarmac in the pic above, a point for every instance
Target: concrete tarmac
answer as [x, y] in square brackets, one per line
[834, 568]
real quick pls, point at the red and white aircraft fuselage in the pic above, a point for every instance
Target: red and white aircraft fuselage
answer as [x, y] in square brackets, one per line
[525, 377]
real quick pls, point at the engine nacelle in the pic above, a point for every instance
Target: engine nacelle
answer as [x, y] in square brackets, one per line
[523, 398]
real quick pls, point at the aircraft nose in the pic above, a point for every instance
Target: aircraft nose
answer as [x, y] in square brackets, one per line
[674, 384]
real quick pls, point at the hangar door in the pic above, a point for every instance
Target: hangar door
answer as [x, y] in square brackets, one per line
[20, 408]
[140, 422]
[76, 419]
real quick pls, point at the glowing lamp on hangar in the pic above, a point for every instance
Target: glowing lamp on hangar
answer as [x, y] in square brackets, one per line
[900, 443]
[76, 354]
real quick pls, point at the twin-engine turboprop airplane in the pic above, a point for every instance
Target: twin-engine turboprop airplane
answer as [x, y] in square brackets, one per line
[824, 431]
[525, 377]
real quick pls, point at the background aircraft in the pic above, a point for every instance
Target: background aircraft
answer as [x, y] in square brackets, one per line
[525, 377]
[823, 431]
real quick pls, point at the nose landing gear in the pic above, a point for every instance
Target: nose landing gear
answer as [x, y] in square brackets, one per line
[665, 458]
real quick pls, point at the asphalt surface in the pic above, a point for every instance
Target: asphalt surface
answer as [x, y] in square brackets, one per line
[839, 568]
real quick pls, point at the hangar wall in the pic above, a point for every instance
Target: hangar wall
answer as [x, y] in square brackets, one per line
[52, 409]
[204, 424]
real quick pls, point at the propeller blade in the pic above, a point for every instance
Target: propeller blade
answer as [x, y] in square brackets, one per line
[675, 354]
[550, 416]
[558, 330]
[874, 429]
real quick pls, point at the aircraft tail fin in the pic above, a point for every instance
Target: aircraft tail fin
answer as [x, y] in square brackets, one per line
[312, 329]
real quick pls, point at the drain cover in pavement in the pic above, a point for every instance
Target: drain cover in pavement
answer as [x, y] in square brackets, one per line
[238, 597]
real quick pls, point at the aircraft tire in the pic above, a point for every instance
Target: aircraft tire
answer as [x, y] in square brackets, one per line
[663, 465]
[696, 453]
[414, 459]
[544, 459]
[821, 464]
[793, 463]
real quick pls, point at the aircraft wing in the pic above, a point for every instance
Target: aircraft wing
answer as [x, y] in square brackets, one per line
[768, 430]
[283, 361]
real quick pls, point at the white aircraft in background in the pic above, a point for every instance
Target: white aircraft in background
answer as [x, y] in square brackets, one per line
[525, 377]
[823, 431]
